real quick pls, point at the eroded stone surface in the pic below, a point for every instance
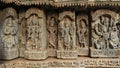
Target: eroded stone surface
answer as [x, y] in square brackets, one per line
[73, 38]
[105, 33]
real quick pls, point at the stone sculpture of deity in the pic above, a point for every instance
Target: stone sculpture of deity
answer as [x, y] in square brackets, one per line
[52, 29]
[82, 32]
[34, 29]
[66, 38]
[106, 30]
[9, 33]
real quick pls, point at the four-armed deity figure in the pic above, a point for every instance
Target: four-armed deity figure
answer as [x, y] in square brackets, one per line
[34, 29]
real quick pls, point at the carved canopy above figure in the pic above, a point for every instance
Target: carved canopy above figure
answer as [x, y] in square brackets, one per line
[9, 12]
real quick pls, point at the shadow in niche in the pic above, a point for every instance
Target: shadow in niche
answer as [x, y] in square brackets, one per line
[90, 28]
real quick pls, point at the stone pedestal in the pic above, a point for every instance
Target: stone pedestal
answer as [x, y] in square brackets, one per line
[52, 52]
[103, 52]
[67, 54]
[9, 54]
[35, 55]
[21, 51]
[83, 51]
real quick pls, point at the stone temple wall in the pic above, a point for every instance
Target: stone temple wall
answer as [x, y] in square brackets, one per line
[60, 38]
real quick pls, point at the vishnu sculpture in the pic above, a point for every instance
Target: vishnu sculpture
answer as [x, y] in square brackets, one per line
[36, 35]
[66, 34]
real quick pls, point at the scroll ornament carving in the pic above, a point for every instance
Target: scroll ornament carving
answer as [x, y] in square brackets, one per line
[82, 30]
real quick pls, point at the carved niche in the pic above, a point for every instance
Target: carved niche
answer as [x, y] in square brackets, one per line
[36, 34]
[52, 29]
[105, 40]
[9, 34]
[82, 35]
[67, 35]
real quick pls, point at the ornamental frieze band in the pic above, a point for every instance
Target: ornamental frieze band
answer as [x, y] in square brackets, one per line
[59, 34]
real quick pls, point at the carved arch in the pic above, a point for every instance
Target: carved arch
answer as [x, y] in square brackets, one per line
[52, 15]
[82, 17]
[69, 14]
[10, 12]
[36, 11]
[101, 12]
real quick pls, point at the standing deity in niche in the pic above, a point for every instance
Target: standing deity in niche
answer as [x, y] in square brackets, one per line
[36, 34]
[52, 29]
[67, 34]
[82, 32]
[34, 29]
[9, 33]
[103, 28]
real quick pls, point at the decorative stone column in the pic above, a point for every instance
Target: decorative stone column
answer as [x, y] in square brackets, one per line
[36, 34]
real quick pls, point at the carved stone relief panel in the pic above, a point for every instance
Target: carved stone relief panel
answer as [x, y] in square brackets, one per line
[67, 35]
[52, 29]
[82, 27]
[36, 34]
[105, 40]
[9, 34]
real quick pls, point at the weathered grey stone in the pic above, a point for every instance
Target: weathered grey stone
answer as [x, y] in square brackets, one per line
[105, 40]
[36, 34]
[9, 35]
